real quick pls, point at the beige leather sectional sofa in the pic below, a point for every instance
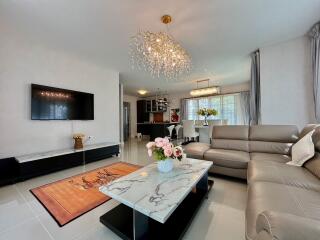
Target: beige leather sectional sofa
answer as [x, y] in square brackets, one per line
[283, 201]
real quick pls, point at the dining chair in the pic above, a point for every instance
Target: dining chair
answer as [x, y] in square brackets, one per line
[189, 130]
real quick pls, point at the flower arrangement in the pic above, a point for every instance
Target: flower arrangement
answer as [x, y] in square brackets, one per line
[207, 112]
[162, 149]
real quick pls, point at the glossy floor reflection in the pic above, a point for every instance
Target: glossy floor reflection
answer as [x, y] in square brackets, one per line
[220, 217]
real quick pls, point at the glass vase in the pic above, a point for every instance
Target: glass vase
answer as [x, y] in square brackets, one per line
[165, 166]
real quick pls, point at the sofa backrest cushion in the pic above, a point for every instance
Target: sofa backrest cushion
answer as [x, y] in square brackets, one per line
[316, 139]
[274, 133]
[230, 132]
[230, 137]
[276, 139]
[313, 165]
[230, 144]
[308, 128]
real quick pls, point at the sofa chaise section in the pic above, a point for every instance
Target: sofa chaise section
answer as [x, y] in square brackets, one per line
[286, 226]
[284, 199]
[263, 196]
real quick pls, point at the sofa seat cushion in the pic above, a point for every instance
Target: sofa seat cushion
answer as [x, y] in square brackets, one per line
[196, 149]
[228, 158]
[270, 157]
[276, 172]
[276, 197]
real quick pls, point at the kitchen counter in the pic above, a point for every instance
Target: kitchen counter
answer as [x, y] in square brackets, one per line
[158, 129]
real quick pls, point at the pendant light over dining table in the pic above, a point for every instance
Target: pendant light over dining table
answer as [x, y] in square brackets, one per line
[159, 53]
[204, 91]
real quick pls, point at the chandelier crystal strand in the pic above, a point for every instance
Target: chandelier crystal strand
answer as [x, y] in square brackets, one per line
[159, 54]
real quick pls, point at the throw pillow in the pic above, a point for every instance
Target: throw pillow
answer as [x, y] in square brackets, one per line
[302, 151]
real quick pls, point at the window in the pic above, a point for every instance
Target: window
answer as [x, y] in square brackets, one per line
[226, 105]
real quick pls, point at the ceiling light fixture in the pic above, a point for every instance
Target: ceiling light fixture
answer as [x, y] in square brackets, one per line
[142, 92]
[204, 91]
[159, 53]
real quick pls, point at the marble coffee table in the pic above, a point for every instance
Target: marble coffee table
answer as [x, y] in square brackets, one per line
[157, 205]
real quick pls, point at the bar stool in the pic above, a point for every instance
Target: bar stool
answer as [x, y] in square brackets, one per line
[177, 128]
[170, 129]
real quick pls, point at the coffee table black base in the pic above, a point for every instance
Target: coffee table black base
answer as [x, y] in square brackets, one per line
[121, 219]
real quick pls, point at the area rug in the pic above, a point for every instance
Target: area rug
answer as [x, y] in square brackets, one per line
[69, 198]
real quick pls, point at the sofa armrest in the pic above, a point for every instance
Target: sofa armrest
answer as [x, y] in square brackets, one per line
[196, 149]
[285, 226]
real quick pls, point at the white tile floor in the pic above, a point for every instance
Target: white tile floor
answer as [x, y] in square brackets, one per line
[220, 217]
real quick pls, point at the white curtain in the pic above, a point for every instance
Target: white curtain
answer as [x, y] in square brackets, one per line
[243, 109]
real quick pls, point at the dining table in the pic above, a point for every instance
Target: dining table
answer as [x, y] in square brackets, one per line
[204, 135]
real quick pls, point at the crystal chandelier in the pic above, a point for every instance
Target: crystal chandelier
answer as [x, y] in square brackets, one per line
[159, 54]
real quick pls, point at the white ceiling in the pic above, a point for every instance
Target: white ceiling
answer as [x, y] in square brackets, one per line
[218, 34]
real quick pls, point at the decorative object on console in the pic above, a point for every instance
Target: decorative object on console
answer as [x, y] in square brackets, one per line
[206, 112]
[164, 152]
[159, 53]
[78, 140]
[69, 198]
[204, 91]
[174, 115]
[302, 151]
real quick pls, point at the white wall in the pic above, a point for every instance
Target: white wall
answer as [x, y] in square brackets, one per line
[286, 83]
[133, 113]
[24, 63]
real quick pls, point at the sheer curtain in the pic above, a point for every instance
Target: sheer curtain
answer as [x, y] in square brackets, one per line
[231, 107]
[243, 108]
[315, 55]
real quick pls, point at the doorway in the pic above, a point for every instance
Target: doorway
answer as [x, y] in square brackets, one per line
[126, 121]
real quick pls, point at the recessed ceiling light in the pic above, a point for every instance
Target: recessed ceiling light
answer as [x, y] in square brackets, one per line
[142, 92]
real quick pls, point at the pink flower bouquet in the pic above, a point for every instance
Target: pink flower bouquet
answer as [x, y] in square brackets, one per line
[162, 149]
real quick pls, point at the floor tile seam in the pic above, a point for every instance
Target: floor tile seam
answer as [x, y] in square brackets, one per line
[35, 215]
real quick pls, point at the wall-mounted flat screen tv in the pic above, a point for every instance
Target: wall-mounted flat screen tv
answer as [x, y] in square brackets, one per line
[49, 103]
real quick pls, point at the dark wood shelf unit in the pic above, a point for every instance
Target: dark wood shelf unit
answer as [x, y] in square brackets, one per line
[142, 111]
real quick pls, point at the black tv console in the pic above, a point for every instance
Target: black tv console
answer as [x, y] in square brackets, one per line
[33, 165]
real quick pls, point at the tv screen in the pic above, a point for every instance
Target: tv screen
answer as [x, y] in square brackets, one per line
[49, 103]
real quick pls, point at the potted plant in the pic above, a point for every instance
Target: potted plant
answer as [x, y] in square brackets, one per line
[206, 112]
[164, 152]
